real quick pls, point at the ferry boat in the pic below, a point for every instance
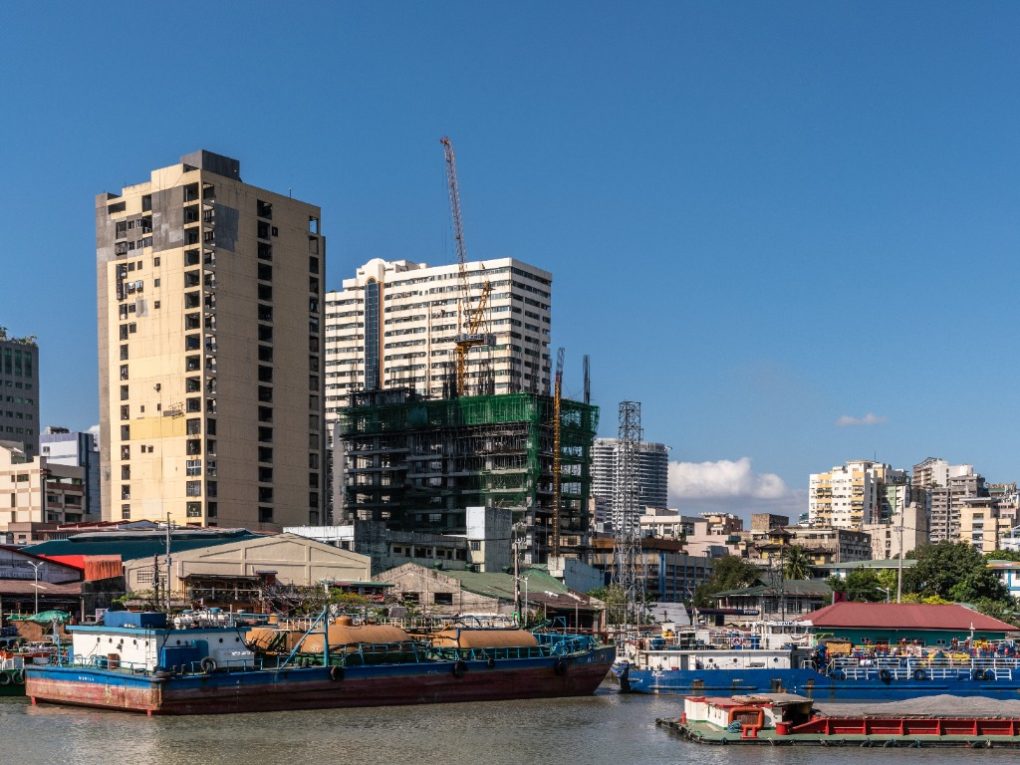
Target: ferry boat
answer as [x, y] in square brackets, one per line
[138, 662]
[796, 666]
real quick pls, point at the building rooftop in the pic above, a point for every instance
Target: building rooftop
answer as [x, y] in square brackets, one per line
[131, 545]
[905, 616]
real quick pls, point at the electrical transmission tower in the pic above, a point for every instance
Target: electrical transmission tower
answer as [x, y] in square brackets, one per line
[628, 571]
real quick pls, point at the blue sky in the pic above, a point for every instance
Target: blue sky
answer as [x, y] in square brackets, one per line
[761, 217]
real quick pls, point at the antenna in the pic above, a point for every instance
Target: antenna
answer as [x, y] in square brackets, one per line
[587, 378]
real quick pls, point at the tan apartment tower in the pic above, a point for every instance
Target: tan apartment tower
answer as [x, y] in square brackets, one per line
[210, 381]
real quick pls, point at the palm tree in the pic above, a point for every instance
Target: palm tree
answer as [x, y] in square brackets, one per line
[796, 563]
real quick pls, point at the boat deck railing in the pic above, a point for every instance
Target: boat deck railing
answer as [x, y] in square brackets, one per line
[894, 668]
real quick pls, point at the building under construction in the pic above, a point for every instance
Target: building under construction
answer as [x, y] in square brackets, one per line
[416, 463]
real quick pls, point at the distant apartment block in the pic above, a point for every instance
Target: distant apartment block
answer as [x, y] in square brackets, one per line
[210, 297]
[33, 490]
[19, 392]
[945, 501]
[851, 495]
[394, 325]
[904, 531]
[61, 446]
[666, 523]
[652, 464]
[767, 521]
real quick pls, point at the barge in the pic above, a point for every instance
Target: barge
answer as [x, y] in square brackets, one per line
[780, 719]
[139, 663]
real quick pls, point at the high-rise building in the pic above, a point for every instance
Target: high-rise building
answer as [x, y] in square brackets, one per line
[394, 325]
[209, 296]
[652, 481]
[945, 503]
[61, 446]
[19, 392]
[418, 464]
[857, 493]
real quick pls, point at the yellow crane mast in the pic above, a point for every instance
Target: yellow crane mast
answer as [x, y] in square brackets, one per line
[469, 318]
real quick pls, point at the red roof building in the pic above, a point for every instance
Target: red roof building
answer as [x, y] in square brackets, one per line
[894, 622]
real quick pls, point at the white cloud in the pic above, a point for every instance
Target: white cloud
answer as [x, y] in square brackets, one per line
[94, 430]
[869, 419]
[723, 479]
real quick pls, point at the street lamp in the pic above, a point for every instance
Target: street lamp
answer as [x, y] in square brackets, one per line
[525, 615]
[886, 590]
[36, 566]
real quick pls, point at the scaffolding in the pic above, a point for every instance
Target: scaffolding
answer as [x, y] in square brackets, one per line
[416, 464]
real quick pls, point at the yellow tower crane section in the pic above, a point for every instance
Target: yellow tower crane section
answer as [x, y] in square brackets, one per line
[469, 318]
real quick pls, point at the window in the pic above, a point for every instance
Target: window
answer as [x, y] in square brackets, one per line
[123, 331]
[124, 415]
[194, 426]
[192, 363]
[190, 214]
[265, 251]
[313, 461]
[265, 272]
[194, 405]
[124, 372]
[263, 230]
[191, 192]
[265, 292]
[194, 446]
[155, 262]
[211, 510]
[193, 468]
[192, 300]
[265, 475]
[125, 432]
[210, 426]
[211, 488]
[124, 393]
[313, 480]
[265, 454]
[125, 491]
[313, 245]
[193, 384]
[192, 342]
[265, 333]
[265, 313]
[192, 320]
[264, 209]
[266, 435]
[265, 515]
[193, 488]
[443, 598]
[265, 493]
[265, 414]
[313, 382]
[313, 284]
[125, 472]
[266, 353]
[313, 265]
[265, 374]
[194, 509]
[192, 279]
[191, 257]
[265, 394]
[125, 512]
[125, 452]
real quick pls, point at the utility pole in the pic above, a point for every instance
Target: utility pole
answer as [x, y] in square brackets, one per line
[168, 564]
[899, 565]
[517, 541]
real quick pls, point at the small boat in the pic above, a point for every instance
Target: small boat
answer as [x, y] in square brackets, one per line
[139, 662]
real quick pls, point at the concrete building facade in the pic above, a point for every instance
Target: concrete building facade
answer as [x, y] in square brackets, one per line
[904, 531]
[19, 392]
[652, 463]
[61, 446]
[850, 495]
[946, 501]
[32, 490]
[394, 325]
[209, 306]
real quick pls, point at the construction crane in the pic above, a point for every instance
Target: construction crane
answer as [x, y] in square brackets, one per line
[469, 318]
[557, 467]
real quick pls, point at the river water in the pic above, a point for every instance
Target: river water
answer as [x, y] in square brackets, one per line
[605, 728]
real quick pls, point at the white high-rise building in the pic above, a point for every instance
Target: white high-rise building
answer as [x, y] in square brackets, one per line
[394, 324]
[652, 481]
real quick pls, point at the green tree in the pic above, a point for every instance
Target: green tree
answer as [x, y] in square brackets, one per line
[616, 602]
[728, 573]
[955, 571]
[864, 585]
[796, 563]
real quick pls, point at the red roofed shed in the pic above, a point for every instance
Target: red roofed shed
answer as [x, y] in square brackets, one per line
[894, 622]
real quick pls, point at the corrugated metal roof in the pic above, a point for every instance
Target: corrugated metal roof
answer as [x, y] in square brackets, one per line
[131, 547]
[791, 587]
[905, 616]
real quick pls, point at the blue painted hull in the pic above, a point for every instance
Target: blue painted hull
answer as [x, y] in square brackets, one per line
[810, 682]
